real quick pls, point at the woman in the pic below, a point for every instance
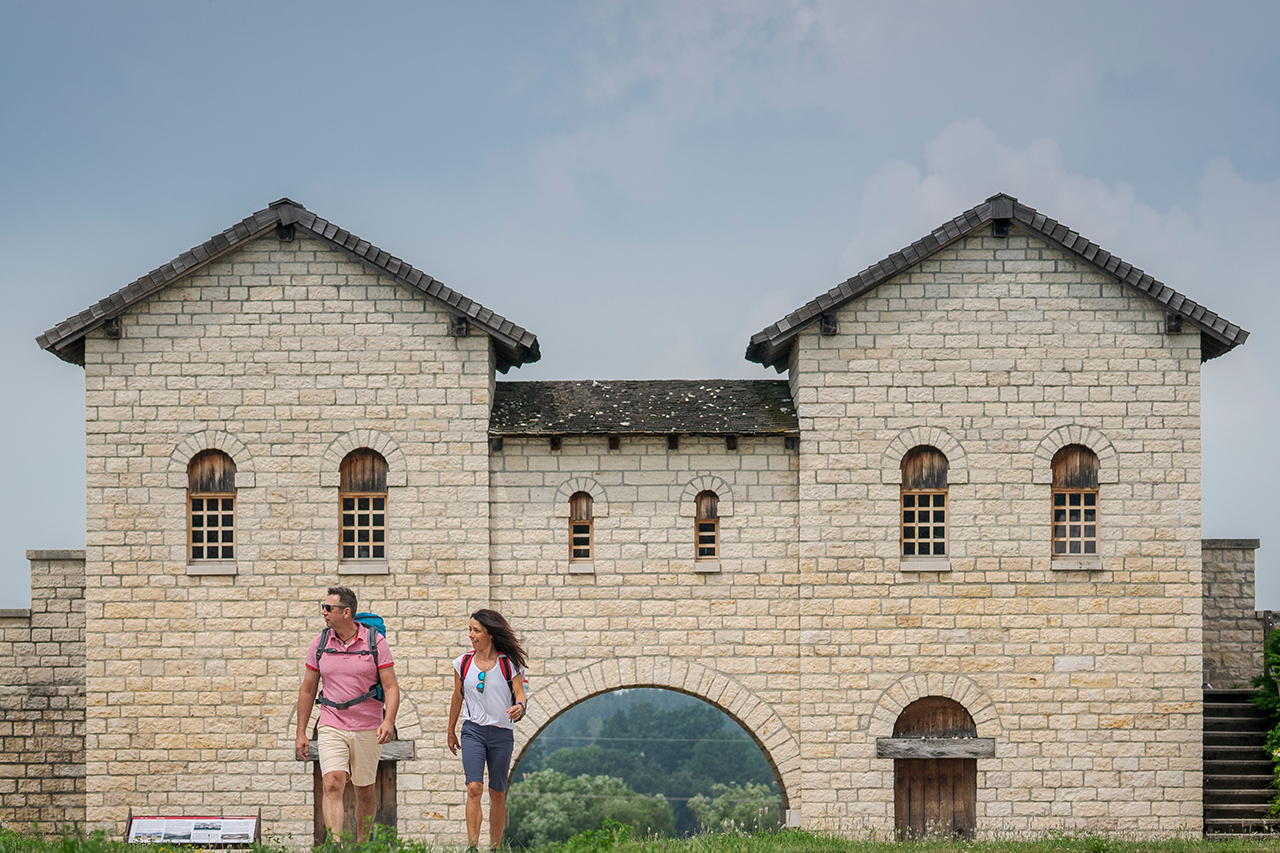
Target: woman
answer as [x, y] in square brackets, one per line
[488, 687]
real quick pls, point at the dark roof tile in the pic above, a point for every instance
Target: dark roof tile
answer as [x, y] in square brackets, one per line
[771, 345]
[677, 406]
[514, 345]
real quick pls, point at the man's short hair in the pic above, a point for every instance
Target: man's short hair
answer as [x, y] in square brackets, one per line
[346, 598]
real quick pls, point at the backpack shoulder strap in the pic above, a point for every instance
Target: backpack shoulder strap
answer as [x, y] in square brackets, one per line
[372, 640]
[324, 641]
[508, 674]
[466, 664]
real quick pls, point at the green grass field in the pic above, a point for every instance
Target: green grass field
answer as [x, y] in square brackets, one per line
[617, 840]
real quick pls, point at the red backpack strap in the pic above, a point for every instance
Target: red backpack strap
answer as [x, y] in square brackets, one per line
[466, 664]
[508, 674]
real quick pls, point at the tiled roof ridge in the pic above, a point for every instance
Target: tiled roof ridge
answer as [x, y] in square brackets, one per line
[767, 346]
[519, 344]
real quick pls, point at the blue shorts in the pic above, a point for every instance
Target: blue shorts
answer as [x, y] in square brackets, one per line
[487, 745]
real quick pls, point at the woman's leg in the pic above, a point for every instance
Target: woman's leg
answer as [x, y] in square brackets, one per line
[474, 790]
[497, 817]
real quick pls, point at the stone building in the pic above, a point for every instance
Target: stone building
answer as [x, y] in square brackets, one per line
[960, 539]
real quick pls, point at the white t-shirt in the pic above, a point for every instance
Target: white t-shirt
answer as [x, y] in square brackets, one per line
[490, 707]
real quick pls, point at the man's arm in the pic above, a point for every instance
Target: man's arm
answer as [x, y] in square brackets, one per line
[306, 701]
[390, 702]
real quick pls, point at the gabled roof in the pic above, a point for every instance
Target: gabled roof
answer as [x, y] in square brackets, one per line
[514, 346]
[771, 346]
[660, 407]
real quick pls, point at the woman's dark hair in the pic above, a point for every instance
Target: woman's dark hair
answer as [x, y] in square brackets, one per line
[503, 636]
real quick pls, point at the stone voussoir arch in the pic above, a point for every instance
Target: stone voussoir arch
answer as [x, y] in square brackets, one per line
[211, 439]
[599, 499]
[397, 468]
[911, 687]
[957, 460]
[1108, 458]
[705, 483]
[551, 697]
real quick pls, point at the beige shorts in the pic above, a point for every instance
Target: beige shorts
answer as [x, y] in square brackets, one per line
[354, 753]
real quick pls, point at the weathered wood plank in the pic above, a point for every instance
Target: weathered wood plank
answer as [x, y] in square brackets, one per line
[931, 747]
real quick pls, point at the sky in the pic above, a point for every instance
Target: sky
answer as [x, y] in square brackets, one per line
[642, 185]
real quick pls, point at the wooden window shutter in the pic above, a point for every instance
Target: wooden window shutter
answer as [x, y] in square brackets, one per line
[211, 472]
[924, 467]
[1075, 467]
[363, 471]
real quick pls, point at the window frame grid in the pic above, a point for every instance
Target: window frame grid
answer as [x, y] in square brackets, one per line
[915, 540]
[698, 533]
[355, 527]
[204, 528]
[1083, 540]
[589, 523]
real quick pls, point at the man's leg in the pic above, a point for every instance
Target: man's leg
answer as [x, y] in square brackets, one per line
[474, 790]
[366, 805]
[334, 784]
[497, 817]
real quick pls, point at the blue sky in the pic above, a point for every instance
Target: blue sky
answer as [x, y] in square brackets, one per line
[643, 185]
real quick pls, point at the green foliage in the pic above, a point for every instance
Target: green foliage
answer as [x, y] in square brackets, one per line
[1268, 699]
[549, 807]
[742, 808]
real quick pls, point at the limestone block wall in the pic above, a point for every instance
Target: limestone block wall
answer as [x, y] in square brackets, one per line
[285, 355]
[1232, 625]
[646, 614]
[42, 702]
[998, 351]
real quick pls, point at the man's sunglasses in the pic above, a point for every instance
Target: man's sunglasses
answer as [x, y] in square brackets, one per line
[329, 608]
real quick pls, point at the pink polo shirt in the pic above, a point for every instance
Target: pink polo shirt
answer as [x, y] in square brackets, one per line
[344, 677]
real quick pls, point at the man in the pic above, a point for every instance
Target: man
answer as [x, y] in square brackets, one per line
[355, 718]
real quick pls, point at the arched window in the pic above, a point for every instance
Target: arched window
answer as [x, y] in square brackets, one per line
[924, 503]
[580, 540]
[1075, 501]
[211, 507]
[707, 525]
[362, 495]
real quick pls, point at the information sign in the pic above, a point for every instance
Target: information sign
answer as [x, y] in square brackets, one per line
[205, 831]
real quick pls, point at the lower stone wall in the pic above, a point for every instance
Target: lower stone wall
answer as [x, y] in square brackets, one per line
[1232, 625]
[42, 698]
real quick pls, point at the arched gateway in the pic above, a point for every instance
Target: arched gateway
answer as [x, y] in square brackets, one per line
[756, 717]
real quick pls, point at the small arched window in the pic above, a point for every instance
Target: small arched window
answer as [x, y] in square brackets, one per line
[924, 503]
[1075, 501]
[211, 507]
[580, 538]
[707, 525]
[362, 496]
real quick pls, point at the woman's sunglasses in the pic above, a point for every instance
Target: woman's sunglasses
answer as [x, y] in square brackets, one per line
[480, 686]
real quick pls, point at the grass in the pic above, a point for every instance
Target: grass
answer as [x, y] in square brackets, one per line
[616, 839]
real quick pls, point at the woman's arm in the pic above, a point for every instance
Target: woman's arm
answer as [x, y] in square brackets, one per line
[516, 711]
[455, 708]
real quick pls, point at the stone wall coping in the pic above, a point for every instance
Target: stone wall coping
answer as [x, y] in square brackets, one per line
[1236, 544]
[55, 555]
[14, 614]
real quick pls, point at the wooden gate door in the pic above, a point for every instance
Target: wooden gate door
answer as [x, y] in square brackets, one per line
[935, 796]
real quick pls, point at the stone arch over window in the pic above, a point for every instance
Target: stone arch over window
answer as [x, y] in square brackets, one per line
[903, 442]
[907, 689]
[195, 443]
[599, 500]
[1108, 459]
[554, 696]
[707, 483]
[343, 445]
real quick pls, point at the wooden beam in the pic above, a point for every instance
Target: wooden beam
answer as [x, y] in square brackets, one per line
[396, 750]
[935, 747]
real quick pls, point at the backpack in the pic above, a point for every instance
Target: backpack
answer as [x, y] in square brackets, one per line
[376, 626]
[508, 672]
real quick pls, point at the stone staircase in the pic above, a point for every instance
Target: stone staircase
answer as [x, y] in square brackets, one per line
[1237, 771]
